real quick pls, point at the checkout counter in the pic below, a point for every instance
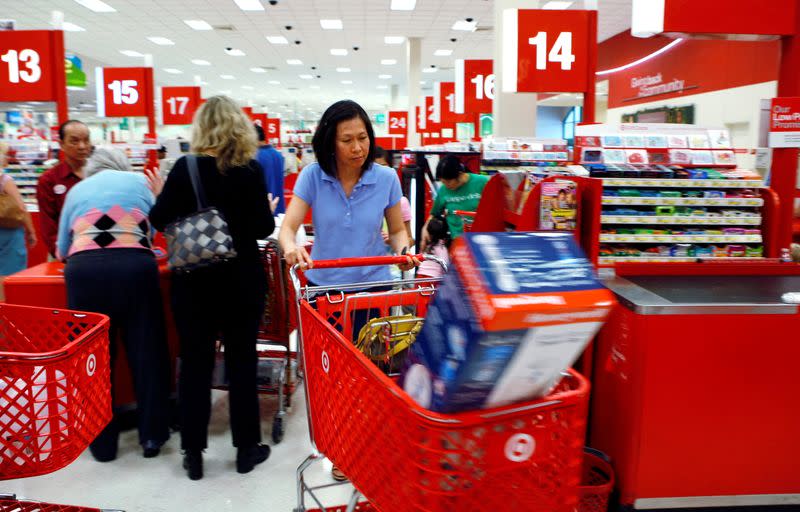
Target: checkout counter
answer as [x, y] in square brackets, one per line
[696, 393]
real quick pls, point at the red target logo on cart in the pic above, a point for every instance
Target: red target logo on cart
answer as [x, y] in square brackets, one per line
[326, 362]
[520, 447]
[91, 365]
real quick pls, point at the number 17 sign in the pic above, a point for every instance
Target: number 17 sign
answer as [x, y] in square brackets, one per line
[547, 50]
[178, 104]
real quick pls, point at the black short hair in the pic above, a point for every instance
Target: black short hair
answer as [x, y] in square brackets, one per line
[324, 140]
[380, 153]
[449, 168]
[64, 125]
[260, 133]
[439, 230]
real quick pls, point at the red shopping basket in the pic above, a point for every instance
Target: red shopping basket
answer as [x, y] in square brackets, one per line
[54, 387]
[14, 505]
[597, 482]
[402, 457]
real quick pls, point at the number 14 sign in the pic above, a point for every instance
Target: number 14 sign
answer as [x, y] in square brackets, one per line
[548, 50]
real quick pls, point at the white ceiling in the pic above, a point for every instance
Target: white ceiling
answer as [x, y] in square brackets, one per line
[366, 22]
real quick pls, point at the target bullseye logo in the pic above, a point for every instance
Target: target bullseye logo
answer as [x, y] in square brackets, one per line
[326, 362]
[91, 365]
[520, 447]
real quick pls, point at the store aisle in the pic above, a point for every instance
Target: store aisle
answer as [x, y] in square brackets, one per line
[133, 483]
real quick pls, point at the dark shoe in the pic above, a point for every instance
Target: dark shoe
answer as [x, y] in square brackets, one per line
[247, 458]
[193, 464]
[102, 454]
[151, 449]
[338, 474]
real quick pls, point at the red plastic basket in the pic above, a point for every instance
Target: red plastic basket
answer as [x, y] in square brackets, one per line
[403, 457]
[36, 506]
[54, 387]
[597, 483]
[275, 320]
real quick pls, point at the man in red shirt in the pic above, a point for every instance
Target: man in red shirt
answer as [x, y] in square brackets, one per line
[54, 184]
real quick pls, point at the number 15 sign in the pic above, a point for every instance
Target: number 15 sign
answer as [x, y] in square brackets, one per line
[125, 92]
[548, 50]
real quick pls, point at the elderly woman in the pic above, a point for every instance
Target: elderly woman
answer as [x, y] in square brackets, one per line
[13, 253]
[104, 235]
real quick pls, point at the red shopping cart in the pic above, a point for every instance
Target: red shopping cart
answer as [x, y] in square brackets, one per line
[10, 503]
[403, 457]
[467, 218]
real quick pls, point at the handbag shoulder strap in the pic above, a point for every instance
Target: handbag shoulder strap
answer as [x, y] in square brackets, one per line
[197, 185]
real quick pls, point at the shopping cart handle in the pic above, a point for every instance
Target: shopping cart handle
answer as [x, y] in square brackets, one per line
[365, 262]
[464, 213]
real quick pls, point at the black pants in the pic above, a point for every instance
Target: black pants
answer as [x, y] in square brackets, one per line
[124, 284]
[224, 301]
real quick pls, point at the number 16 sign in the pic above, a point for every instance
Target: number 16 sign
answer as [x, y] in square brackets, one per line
[548, 50]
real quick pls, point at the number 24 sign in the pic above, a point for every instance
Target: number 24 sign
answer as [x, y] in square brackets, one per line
[31, 61]
[124, 92]
[547, 50]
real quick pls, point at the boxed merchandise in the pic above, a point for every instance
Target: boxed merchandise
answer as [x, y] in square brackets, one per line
[512, 313]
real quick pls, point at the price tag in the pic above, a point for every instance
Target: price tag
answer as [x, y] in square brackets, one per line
[178, 104]
[474, 86]
[124, 92]
[546, 50]
[31, 61]
[398, 122]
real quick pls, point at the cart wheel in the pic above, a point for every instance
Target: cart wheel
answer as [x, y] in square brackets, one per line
[277, 430]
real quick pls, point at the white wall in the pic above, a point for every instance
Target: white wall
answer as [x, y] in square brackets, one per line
[737, 109]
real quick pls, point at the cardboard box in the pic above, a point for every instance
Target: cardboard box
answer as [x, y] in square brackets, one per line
[514, 310]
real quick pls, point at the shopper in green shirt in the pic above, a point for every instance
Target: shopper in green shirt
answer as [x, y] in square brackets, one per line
[461, 191]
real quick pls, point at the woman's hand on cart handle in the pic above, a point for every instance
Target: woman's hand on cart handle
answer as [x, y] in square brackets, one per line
[300, 256]
[411, 261]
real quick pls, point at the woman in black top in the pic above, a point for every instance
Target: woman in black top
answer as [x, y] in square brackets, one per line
[226, 299]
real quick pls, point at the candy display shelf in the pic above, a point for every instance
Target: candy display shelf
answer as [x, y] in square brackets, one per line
[704, 220]
[683, 201]
[681, 183]
[26, 177]
[684, 239]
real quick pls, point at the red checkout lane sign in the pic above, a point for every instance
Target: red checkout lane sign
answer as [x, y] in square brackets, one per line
[124, 92]
[546, 51]
[30, 64]
[474, 89]
[398, 122]
[272, 130]
[784, 123]
[179, 104]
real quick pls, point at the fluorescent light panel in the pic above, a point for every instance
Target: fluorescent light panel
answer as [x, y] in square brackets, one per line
[227, 77]
[331, 24]
[383, 87]
[403, 5]
[466, 26]
[294, 62]
[277, 40]
[96, 5]
[249, 5]
[200, 62]
[199, 24]
[557, 4]
[306, 77]
[71, 27]
[248, 87]
[173, 71]
[429, 70]
[443, 53]
[343, 70]
[384, 77]
[388, 62]
[131, 53]
[340, 52]
[162, 41]
[394, 39]
[347, 82]
[235, 52]
[258, 70]
[273, 82]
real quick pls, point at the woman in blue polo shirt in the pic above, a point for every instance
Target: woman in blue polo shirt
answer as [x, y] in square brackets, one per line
[350, 196]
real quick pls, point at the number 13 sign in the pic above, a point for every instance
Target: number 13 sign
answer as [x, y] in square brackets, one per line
[548, 50]
[31, 64]
[125, 92]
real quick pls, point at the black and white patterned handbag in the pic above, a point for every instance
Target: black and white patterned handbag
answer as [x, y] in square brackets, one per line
[200, 239]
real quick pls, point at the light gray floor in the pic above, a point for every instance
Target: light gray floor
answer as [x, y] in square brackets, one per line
[134, 483]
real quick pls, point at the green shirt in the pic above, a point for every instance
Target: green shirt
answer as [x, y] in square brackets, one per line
[466, 198]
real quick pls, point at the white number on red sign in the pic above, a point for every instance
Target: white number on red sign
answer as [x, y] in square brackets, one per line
[561, 52]
[124, 91]
[395, 123]
[177, 105]
[31, 60]
[484, 86]
[451, 101]
[271, 129]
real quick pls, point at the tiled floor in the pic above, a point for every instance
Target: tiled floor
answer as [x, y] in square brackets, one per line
[133, 483]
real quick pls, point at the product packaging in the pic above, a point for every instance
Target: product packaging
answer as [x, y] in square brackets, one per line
[512, 313]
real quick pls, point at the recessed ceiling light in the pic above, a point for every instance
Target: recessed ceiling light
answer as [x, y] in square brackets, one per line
[331, 24]
[96, 5]
[234, 52]
[306, 77]
[258, 70]
[201, 62]
[71, 27]
[429, 70]
[227, 77]
[173, 71]
[131, 53]
[249, 5]
[403, 5]
[383, 87]
[294, 62]
[162, 41]
[274, 82]
[394, 39]
[443, 53]
[343, 70]
[272, 102]
[466, 26]
[199, 24]
[347, 82]
[388, 62]
[384, 77]
[277, 40]
[248, 87]
[315, 87]
[557, 4]
[341, 52]
[422, 82]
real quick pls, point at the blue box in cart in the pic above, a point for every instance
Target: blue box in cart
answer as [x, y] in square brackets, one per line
[513, 312]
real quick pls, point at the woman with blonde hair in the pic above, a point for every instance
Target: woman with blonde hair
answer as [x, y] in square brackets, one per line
[225, 299]
[13, 253]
